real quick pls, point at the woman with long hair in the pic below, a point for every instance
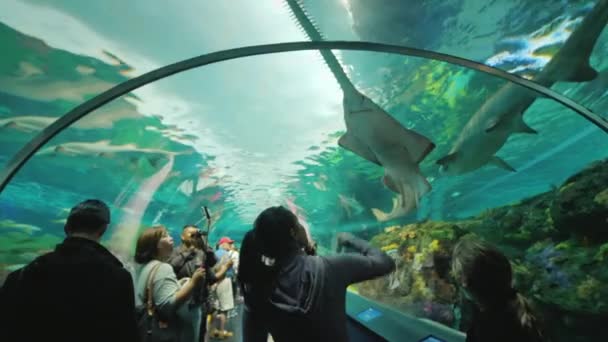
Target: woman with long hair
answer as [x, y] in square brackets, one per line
[293, 294]
[501, 313]
[154, 246]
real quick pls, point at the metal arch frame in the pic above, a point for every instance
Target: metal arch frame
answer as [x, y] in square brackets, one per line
[22, 156]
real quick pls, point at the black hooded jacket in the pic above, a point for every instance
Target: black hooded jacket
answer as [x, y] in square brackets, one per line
[501, 326]
[185, 262]
[309, 297]
[79, 292]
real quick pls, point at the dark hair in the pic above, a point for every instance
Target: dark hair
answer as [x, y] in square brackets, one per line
[147, 244]
[88, 216]
[272, 239]
[488, 276]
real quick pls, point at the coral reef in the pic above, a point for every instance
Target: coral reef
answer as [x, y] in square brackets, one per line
[421, 284]
[581, 209]
[556, 241]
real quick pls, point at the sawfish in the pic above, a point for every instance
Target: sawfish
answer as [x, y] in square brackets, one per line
[373, 134]
[502, 114]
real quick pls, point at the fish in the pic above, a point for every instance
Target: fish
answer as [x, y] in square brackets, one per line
[85, 70]
[102, 148]
[102, 118]
[371, 133]
[22, 227]
[31, 83]
[60, 221]
[321, 184]
[398, 210]
[216, 196]
[27, 124]
[502, 114]
[125, 235]
[291, 205]
[351, 206]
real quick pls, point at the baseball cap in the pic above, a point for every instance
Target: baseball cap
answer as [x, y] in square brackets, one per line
[225, 239]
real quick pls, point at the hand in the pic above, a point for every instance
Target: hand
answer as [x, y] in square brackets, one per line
[198, 275]
[311, 249]
[229, 263]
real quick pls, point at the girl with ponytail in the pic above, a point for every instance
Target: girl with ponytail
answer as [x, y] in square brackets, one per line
[501, 313]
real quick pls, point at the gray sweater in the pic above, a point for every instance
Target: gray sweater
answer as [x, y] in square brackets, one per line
[165, 286]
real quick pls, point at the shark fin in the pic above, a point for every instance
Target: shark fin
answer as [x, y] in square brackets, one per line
[351, 143]
[417, 145]
[584, 73]
[447, 159]
[522, 127]
[494, 123]
[380, 215]
[502, 164]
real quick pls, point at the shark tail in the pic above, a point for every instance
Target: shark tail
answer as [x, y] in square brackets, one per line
[580, 43]
[380, 215]
[411, 194]
[310, 29]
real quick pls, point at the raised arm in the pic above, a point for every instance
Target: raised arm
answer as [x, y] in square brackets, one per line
[367, 263]
[168, 295]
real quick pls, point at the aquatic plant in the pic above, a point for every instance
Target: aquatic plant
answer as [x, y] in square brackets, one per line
[390, 247]
[588, 289]
[602, 253]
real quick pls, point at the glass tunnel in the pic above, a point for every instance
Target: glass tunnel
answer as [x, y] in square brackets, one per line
[513, 96]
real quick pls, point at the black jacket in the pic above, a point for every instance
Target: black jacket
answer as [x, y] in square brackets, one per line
[308, 300]
[185, 261]
[79, 292]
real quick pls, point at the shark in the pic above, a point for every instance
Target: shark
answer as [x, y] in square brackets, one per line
[102, 118]
[21, 227]
[102, 148]
[351, 206]
[502, 114]
[27, 123]
[31, 82]
[371, 133]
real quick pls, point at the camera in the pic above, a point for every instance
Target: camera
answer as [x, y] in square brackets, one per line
[199, 234]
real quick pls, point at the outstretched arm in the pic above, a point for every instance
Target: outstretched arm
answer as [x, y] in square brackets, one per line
[367, 263]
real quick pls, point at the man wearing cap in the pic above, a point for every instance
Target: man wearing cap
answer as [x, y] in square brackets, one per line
[223, 289]
[78, 292]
